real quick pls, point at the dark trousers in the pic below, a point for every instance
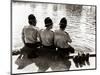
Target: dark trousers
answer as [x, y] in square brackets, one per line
[31, 45]
[62, 52]
[30, 49]
[45, 50]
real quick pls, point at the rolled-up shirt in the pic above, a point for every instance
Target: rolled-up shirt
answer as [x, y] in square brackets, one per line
[61, 39]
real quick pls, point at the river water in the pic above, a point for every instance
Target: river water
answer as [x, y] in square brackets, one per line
[81, 22]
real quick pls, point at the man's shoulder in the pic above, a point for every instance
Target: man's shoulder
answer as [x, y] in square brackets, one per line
[66, 33]
[57, 31]
[52, 30]
[25, 26]
[33, 27]
[36, 28]
[41, 30]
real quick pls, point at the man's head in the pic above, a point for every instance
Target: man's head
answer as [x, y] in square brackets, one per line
[32, 20]
[48, 22]
[63, 23]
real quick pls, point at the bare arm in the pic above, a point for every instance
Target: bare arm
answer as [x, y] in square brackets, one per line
[38, 36]
[23, 37]
[39, 32]
[68, 37]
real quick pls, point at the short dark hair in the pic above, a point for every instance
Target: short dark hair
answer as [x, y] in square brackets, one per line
[63, 23]
[32, 19]
[48, 21]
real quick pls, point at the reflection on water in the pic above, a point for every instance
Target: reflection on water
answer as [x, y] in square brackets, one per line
[47, 62]
[43, 63]
[81, 25]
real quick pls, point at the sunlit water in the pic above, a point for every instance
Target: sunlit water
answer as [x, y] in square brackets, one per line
[81, 22]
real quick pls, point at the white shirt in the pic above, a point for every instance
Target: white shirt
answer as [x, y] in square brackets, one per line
[47, 37]
[30, 34]
[61, 39]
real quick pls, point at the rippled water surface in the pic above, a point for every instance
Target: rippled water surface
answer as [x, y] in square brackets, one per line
[81, 22]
